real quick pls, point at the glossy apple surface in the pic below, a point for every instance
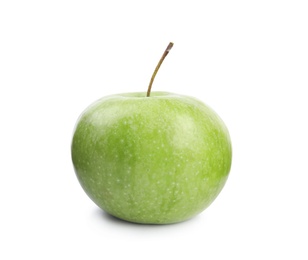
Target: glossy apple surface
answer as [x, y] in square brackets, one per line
[159, 159]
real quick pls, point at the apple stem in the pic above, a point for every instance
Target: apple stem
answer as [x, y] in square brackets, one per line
[170, 45]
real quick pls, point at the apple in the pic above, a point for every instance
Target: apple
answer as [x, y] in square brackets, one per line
[154, 158]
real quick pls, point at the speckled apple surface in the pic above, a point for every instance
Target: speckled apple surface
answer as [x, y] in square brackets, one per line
[157, 160]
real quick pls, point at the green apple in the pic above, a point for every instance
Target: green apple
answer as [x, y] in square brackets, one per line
[157, 159]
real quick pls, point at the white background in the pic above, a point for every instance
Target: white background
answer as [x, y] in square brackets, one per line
[246, 59]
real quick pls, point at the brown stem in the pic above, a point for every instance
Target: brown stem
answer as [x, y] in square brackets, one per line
[158, 66]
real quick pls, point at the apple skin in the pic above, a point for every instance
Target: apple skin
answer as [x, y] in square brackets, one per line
[154, 160]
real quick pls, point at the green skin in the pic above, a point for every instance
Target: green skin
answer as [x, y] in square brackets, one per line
[154, 160]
